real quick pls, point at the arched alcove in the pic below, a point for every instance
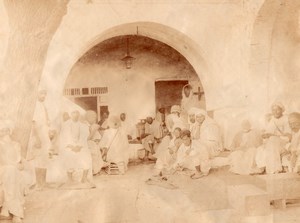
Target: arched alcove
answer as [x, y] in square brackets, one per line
[99, 79]
[58, 66]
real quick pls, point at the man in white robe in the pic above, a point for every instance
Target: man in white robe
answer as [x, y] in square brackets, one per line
[93, 141]
[74, 149]
[291, 156]
[244, 146]
[276, 136]
[12, 183]
[174, 119]
[40, 143]
[129, 130]
[188, 100]
[167, 151]
[193, 156]
[114, 145]
[152, 137]
[206, 145]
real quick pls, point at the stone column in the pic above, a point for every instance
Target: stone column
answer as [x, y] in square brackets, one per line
[32, 26]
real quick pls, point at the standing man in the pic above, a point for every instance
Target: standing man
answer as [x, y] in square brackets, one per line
[41, 143]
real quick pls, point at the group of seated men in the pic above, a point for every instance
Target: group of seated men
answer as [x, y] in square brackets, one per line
[271, 150]
[177, 142]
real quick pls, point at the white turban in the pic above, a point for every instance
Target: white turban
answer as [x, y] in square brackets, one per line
[279, 104]
[175, 108]
[200, 112]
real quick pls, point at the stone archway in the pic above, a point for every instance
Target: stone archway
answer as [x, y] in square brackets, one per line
[274, 56]
[175, 39]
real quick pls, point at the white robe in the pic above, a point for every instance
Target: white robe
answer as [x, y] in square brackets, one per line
[294, 153]
[118, 147]
[198, 156]
[242, 161]
[268, 155]
[166, 160]
[174, 121]
[11, 180]
[210, 137]
[75, 134]
[97, 161]
[41, 134]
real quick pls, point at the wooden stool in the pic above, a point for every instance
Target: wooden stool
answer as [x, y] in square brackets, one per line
[116, 169]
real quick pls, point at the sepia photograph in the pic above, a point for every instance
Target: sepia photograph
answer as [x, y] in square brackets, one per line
[149, 111]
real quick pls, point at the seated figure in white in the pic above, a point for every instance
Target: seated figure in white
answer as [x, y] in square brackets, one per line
[167, 151]
[291, 156]
[276, 136]
[12, 182]
[74, 149]
[114, 145]
[93, 141]
[174, 119]
[244, 146]
[208, 133]
[193, 156]
[152, 137]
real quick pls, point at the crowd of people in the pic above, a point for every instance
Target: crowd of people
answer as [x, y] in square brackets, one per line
[185, 139]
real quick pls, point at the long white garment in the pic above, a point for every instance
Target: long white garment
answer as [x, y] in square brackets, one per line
[292, 160]
[118, 147]
[11, 180]
[40, 134]
[75, 134]
[210, 137]
[94, 146]
[242, 161]
[198, 156]
[268, 155]
[174, 121]
[188, 102]
[165, 159]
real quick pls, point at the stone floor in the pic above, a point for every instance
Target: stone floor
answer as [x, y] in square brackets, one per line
[128, 199]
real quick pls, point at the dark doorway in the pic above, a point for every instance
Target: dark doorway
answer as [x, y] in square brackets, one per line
[87, 103]
[168, 93]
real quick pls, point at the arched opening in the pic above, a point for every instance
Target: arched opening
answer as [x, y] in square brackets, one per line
[100, 81]
[62, 57]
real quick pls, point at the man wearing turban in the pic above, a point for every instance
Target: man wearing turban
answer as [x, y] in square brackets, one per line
[115, 144]
[275, 139]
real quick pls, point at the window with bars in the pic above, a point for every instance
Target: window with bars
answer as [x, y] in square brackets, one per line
[85, 91]
[72, 91]
[99, 90]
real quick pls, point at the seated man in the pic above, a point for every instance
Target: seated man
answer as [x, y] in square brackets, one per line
[194, 126]
[174, 119]
[152, 136]
[244, 146]
[93, 141]
[11, 183]
[193, 156]
[75, 151]
[276, 136]
[167, 151]
[114, 145]
[291, 156]
[209, 134]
